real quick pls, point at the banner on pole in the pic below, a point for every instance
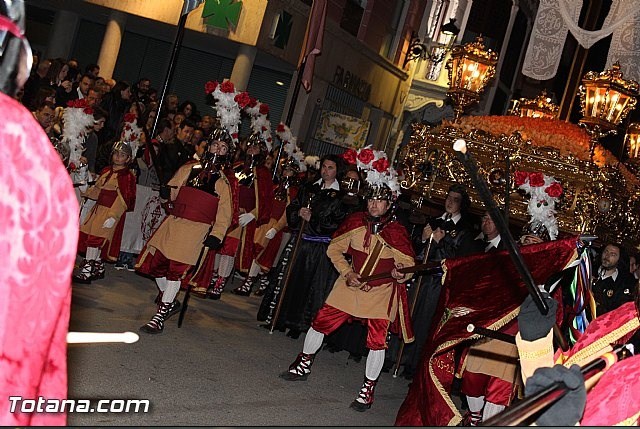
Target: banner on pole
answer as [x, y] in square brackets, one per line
[342, 130]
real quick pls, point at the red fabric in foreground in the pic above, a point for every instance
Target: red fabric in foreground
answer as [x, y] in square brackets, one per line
[487, 287]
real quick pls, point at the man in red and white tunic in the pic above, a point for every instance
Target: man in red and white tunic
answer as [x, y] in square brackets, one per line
[377, 244]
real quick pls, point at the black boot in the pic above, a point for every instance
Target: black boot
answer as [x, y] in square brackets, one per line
[264, 284]
[300, 368]
[85, 274]
[156, 324]
[215, 289]
[98, 270]
[365, 396]
[245, 289]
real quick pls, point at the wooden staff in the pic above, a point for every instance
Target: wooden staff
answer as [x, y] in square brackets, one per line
[470, 165]
[292, 259]
[413, 303]
[530, 406]
[192, 270]
[500, 336]
[428, 267]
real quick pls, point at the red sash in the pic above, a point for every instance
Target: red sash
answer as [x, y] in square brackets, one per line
[195, 205]
[107, 198]
[247, 198]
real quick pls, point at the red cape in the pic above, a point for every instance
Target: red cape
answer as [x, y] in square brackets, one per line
[485, 290]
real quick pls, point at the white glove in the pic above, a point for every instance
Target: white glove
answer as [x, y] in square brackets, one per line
[109, 223]
[245, 218]
[271, 233]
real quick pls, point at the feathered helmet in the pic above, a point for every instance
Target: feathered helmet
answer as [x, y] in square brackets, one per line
[224, 99]
[295, 158]
[544, 192]
[381, 179]
[77, 119]
[260, 124]
[131, 132]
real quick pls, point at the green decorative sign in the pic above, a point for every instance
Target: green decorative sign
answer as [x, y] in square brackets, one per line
[221, 13]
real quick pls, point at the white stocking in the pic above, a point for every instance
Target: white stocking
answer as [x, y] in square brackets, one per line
[312, 341]
[93, 253]
[255, 269]
[162, 283]
[226, 265]
[169, 294]
[490, 410]
[375, 360]
[475, 403]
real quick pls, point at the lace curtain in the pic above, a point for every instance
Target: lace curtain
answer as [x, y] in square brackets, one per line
[556, 17]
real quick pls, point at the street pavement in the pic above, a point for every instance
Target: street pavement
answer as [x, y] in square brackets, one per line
[220, 369]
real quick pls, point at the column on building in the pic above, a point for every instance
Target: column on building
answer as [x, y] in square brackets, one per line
[491, 93]
[111, 43]
[63, 31]
[242, 66]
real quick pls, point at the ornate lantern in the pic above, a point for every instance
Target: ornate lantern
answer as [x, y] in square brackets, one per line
[632, 140]
[470, 68]
[606, 99]
[539, 107]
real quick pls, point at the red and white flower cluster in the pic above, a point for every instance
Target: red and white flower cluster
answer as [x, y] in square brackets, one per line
[227, 106]
[131, 132]
[545, 191]
[260, 125]
[77, 119]
[290, 147]
[376, 166]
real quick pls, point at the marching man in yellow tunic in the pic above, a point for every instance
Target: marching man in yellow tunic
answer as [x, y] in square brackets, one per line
[200, 216]
[377, 244]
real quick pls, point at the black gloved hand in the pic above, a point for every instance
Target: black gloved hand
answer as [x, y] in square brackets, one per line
[212, 242]
[532, 324]
[568, 410]
[165, 192]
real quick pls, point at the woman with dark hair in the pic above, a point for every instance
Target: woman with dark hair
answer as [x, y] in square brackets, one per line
[318, 209]
[116, 103]
[190, 110]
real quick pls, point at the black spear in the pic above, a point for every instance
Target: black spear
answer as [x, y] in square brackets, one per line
[470, 165]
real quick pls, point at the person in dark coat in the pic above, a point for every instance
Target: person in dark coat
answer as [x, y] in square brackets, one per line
[320, 205]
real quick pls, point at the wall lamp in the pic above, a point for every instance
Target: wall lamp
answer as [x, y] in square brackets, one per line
[419, 50]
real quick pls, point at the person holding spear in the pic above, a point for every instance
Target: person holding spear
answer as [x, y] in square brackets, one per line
[376, 244]
[201, 213]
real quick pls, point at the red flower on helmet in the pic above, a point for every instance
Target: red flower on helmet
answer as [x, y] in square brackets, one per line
[210, 86]
[536, 179]
[234, 136]
[381, 165]
[350, 156]
[88, 110]
[264, 109]
[366, 156]
[280, 128]
[227, 86]
[263, 128]
[252, 102]
[521, 177]
[554, 190]
[242, 99]
[130, 117]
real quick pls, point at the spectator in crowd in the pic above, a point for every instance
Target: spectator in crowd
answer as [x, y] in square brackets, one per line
[207, 123]
[175, 153]
[91, 143]
[82, 89]
[92, 70]
[35, 81]
[116, 103]
[94, 98]
[614, 285]
[190, 111]
[74, 70]
[140, 91]
[45, 114]
[45, 93]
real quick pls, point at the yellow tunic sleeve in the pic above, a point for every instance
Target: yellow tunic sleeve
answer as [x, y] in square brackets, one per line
[336, 250]
[225, 209]
[534, 354]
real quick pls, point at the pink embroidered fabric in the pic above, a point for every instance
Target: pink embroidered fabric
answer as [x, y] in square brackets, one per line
[38, 239]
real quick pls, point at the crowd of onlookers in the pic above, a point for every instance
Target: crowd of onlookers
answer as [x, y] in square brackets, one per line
[180, 132]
